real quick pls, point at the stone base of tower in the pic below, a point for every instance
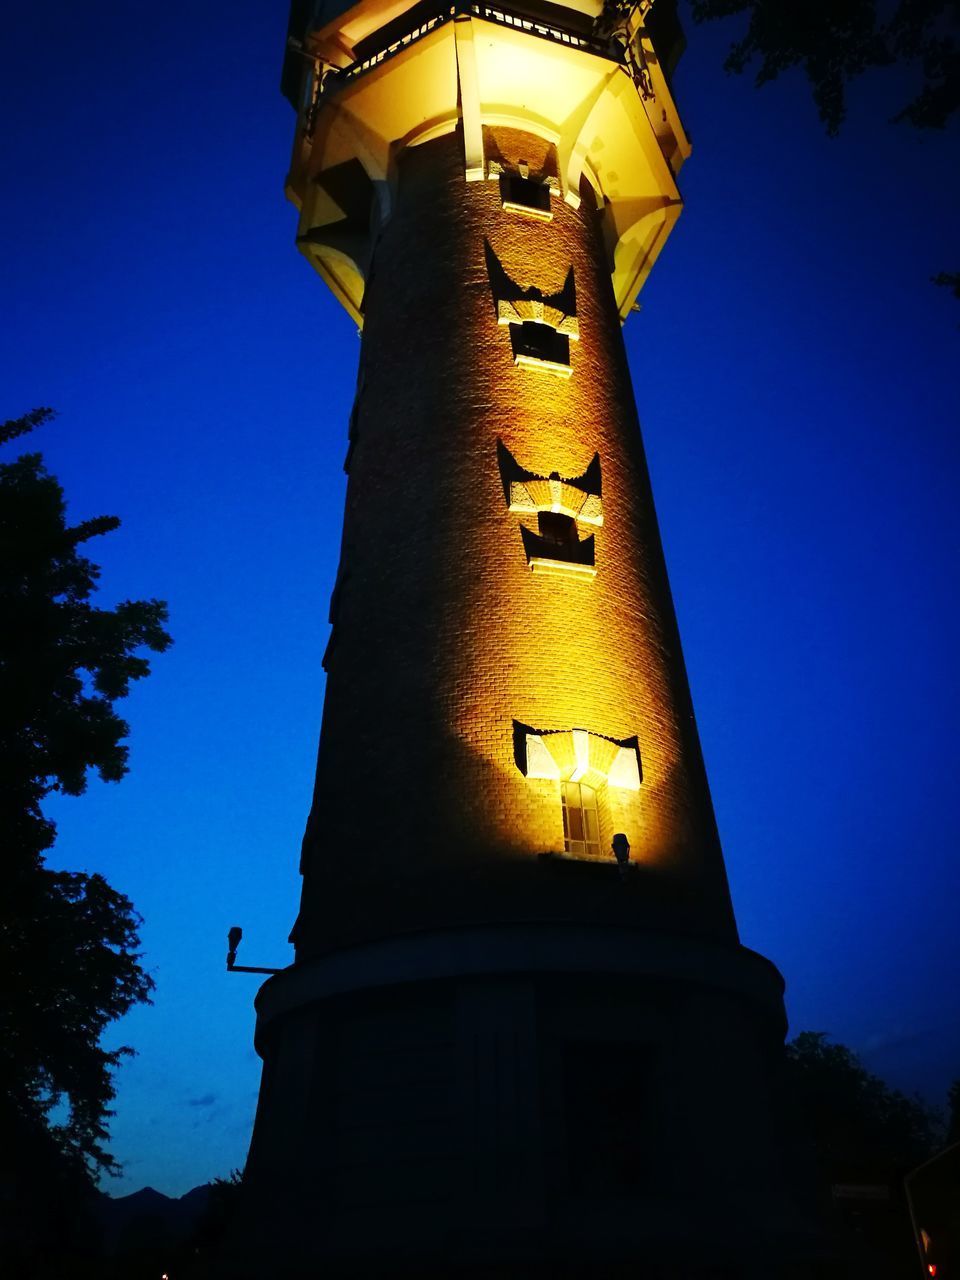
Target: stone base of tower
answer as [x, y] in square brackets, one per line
[520, 1102]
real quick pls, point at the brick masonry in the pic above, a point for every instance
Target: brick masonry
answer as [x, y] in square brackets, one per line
[444, 637]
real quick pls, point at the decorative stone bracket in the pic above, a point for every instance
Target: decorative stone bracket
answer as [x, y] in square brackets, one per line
[554, 494]
[559, 506]
[576, 755]
[528, 493]
[541, 324]
[538, 310]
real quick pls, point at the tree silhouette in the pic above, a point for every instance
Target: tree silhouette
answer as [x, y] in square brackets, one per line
[68, 941]
[953, 1118]
[63, 662]
[833, 43]
[861, 1129]
[948, 280]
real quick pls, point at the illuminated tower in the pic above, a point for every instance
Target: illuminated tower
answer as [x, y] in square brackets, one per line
[499, 1045]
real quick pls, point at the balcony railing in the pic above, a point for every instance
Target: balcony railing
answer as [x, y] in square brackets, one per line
[334, 78]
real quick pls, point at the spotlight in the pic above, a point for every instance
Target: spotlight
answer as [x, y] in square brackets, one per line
[621, 851]
[233, 941]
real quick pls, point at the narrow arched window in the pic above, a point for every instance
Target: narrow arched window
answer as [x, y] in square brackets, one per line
[581, 819]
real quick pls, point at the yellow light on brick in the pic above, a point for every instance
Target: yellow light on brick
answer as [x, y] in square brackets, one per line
[527, 211]
[576, 755]
[565, 568]
[545, 366]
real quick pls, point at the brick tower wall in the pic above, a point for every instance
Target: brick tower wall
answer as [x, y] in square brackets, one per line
[444, 639]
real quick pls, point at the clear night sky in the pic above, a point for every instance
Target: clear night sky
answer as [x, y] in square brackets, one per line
[797, 377]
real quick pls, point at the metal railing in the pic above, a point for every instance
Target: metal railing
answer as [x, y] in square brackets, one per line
[333, 78]
[603, 48]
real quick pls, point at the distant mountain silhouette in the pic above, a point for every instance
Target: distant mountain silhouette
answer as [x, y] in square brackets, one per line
[148, 1219]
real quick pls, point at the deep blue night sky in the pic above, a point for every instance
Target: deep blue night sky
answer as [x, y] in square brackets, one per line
[797, 377]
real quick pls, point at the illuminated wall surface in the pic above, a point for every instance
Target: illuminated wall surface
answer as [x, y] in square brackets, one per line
[486, 193]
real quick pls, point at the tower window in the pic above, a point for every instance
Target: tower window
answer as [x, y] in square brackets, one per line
[539, 346]
[519, 194]
[581, 819]
[556, 548]
[558, 529]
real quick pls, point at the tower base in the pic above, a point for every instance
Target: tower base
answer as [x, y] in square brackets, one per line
[520, 1101]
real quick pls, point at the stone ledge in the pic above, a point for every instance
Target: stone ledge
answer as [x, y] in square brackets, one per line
[484, 951]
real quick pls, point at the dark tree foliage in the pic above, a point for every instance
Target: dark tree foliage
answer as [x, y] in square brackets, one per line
[948, 280]
[953, 1118]
[69, 960]
[225, 1204]
[63, 662]
[68, 947]
[837, 41]
[860, 1128]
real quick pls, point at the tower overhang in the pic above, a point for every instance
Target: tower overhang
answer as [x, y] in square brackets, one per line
[383, 78]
